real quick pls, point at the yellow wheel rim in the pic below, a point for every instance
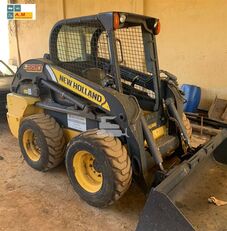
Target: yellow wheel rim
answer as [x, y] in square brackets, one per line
[30, 145]
[85, 173]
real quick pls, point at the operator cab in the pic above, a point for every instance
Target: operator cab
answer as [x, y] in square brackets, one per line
[121, 56]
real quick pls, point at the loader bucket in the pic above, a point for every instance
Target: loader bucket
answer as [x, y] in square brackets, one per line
[187, 189]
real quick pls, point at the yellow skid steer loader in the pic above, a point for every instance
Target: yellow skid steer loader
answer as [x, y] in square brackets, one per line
[97, 100]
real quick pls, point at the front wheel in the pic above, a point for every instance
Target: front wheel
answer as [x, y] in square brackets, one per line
[98, 167]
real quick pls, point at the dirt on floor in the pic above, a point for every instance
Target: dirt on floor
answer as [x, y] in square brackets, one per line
[32, 200]
[207, 181]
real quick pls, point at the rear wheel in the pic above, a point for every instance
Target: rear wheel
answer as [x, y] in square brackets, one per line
[98, 167]
[41, 141]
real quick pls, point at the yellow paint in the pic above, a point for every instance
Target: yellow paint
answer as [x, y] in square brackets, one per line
[30, 145]
[153, 125]
[70, 134]
[85, 173]
[18, 108]
[22, 15]
[159, 132]
[81, 89]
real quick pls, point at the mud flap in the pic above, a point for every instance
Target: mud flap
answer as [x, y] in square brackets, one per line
[164, 209]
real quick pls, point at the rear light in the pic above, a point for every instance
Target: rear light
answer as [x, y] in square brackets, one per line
[116, 21]
[157, 27]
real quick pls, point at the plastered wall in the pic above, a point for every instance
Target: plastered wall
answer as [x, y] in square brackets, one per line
[192, 43]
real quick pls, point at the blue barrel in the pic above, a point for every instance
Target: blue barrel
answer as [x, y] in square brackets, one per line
[192, 94]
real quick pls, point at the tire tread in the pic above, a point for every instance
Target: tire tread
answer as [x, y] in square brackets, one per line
[187, 125]
[54, 137]
[119, 159]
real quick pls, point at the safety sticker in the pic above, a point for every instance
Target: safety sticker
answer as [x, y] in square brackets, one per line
[76, 122]
[28, 91]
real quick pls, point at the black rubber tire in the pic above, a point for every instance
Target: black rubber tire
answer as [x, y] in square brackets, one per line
[187, 125]
[113, 162]
[50, 140]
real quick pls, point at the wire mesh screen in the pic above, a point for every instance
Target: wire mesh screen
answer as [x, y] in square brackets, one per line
[73, 44]
[130, 48]
[80, 47]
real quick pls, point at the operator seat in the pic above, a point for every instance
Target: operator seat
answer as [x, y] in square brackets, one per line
[95, 75]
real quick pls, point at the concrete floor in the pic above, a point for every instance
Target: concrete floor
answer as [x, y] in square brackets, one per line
[31, 200]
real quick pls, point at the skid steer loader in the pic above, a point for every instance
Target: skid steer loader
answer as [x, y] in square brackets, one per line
[97, 100]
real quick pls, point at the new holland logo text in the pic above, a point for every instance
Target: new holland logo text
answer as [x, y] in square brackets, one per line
[80, 88]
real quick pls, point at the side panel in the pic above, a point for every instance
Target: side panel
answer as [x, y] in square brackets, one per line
[18, 108]
[80, 88]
